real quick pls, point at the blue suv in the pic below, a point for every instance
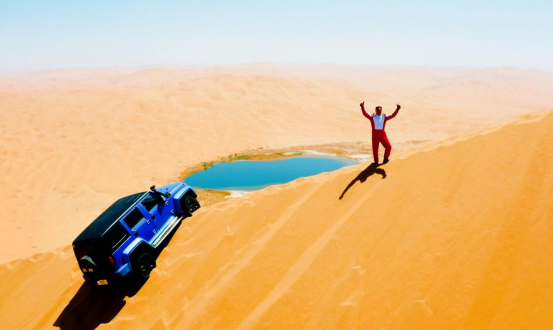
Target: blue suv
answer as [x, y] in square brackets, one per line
[123, 239]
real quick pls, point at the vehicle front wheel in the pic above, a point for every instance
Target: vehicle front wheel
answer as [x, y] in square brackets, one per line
[191, 205]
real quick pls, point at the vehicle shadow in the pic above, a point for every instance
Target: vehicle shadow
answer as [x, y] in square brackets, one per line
[362, 177]
[93, 306]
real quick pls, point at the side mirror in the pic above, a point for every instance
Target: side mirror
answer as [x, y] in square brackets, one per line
[166, 195]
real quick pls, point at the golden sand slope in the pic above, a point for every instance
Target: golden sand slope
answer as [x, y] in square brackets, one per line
[456, 236]
[73, 141]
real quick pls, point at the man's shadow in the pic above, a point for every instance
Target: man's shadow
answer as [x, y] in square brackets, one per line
[362, 177]
[92, 306]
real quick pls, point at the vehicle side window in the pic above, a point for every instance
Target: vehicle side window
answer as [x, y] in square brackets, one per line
[134, 218]
[150, 203]
[116, 236]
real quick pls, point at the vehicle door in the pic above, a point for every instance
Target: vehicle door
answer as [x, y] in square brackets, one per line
[158, 208]
[140, 223]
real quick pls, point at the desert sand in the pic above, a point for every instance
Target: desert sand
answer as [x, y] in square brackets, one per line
[72, 141]
[456, 234]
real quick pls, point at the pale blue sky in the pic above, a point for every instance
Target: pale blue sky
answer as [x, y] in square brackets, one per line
[44, 34]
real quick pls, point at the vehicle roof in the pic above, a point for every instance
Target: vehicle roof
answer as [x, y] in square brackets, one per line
[108, 217]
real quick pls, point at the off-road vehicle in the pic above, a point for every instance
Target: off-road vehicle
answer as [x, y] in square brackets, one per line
[123, 239]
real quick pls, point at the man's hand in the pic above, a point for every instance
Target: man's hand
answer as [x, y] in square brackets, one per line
[362, 104]
[398, 107]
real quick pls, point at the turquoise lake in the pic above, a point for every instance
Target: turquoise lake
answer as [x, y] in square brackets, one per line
[254, 175]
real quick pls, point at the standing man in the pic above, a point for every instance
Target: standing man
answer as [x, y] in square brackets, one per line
[378, 123]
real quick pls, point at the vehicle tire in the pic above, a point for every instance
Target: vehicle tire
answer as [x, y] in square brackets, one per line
[144, 266]
[88, 264]
[190, 205]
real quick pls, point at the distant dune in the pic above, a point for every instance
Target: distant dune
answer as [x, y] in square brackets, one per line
[454, 235]
[72, 141]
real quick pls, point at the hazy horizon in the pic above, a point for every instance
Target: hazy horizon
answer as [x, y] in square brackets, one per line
[135, 68]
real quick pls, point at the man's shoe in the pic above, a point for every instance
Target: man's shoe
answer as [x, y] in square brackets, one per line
[375, 163]
[386, 160]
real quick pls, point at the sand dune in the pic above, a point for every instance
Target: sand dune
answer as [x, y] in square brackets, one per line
[71, 141]
[455, 235]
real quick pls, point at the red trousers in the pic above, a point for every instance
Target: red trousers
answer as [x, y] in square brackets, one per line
[379, 136]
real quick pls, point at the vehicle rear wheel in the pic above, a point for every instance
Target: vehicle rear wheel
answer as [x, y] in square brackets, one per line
[190, 205]
[146, 263]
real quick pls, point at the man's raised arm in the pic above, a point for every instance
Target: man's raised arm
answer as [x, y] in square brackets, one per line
[365, 112]
[394, 114]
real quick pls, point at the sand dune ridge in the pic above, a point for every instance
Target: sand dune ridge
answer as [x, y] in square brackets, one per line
[455, 236]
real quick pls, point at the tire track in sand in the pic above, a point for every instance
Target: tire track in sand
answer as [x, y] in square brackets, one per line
[199, 303]
[301, 265]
